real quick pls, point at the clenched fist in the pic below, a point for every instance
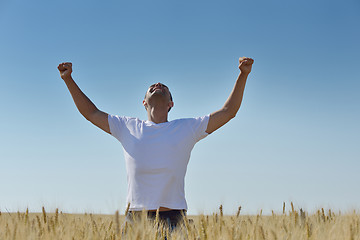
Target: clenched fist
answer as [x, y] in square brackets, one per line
[245, 64]
[65, 70]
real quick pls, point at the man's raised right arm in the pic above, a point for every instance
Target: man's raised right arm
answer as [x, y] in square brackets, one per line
[82, 102]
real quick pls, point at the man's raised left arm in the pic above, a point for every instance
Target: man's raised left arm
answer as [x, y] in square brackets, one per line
[232, 104]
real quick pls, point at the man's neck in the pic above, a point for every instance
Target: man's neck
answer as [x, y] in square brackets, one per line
[157, 115]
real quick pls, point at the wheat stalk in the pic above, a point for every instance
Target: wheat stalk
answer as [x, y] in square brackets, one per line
[44, 214]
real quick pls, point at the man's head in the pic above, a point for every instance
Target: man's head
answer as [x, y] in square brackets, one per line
[158, 92]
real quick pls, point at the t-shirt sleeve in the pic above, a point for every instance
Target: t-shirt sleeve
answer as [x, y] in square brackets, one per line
[199, 127]
[117, 124]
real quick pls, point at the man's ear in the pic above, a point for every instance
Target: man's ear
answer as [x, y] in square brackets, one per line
[171, 104]
[145, 104]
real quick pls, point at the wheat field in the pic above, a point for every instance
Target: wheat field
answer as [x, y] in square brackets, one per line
[294, 224]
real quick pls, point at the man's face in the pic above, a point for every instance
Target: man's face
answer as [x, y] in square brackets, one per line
[158, 90]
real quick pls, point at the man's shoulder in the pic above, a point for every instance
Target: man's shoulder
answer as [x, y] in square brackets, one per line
[124, 119]
[190, 119]
[182, 120]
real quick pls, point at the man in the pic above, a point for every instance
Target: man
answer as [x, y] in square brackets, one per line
[157, 151]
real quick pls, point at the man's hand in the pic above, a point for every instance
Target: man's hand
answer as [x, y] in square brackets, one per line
[245, 64]
[65, 70]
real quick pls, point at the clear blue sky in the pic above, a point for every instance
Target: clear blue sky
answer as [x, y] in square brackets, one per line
[296, 137]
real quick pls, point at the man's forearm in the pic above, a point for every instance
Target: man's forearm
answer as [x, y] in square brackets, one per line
[82, 102]
[233, 103]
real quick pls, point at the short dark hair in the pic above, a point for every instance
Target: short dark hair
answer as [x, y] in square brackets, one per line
[171, 99]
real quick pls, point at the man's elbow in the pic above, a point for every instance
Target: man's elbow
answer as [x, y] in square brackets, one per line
[86, 115]
[88, 118]
[89, 115]
[230, 114]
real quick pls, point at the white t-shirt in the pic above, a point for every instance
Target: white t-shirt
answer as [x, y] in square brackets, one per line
[156, 157]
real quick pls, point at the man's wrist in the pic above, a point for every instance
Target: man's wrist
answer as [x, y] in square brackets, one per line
[244, 73]
[67, 78]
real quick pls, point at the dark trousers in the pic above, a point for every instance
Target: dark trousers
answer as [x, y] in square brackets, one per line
[170, 219]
